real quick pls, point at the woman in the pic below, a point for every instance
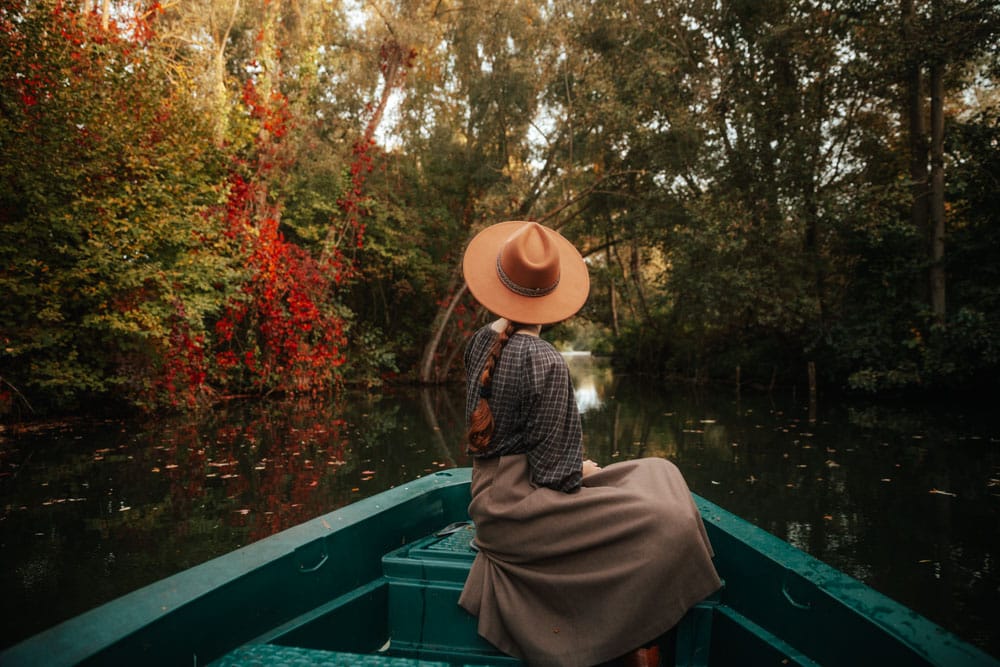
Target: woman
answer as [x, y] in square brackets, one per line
[577, 564]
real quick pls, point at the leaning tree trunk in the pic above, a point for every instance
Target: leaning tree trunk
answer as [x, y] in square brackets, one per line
[427, 373]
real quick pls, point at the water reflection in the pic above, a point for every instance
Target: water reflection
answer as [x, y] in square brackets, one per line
[905, 499]
[590, 379]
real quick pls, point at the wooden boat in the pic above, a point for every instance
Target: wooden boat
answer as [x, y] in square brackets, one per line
[376, 583]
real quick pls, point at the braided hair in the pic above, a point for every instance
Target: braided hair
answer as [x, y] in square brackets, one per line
[481, 423]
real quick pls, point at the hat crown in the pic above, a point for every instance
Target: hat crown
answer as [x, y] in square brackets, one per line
[526, 272]
[529, 261]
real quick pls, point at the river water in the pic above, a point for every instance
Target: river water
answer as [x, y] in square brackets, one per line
[903, 497]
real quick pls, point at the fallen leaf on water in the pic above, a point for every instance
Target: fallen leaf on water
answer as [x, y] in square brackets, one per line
[828, 517]
[367, 472]
[885, 479]
[832, 464]
[943, 493]
[716, 483]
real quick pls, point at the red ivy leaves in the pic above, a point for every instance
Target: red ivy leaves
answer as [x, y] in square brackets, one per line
[280, 334]
[182, 378]
[271, 110]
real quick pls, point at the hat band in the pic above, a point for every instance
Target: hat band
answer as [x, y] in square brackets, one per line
[520, 289]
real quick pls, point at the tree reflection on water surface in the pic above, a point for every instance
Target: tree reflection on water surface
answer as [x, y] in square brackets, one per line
[905, 499]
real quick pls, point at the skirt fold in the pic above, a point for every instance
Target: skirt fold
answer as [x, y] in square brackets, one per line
[577, 579]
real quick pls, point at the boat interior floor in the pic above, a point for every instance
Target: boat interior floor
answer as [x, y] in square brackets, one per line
[410, 616]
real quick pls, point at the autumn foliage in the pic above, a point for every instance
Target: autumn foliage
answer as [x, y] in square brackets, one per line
[165, 275]
[278, 332]
[200, 200]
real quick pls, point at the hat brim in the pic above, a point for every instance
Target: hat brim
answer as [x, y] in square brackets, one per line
[479, 266]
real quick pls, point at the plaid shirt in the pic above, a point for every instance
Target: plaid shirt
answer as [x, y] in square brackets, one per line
[534, 409]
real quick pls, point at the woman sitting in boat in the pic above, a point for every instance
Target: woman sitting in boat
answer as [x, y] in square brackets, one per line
[578, 565]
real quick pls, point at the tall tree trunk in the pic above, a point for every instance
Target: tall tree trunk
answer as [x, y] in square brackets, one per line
[625, 282]
[394, 59]
[937, 274]
[612, 291]
[914, 113]
[218, 94]
[635, 266]
[105, 14]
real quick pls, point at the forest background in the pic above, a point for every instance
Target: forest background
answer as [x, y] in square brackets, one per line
[208, 198]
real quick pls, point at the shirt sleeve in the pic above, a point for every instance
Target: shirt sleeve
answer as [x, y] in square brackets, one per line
[554, 434]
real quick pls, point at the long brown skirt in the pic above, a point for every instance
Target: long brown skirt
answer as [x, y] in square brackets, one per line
[575, 579]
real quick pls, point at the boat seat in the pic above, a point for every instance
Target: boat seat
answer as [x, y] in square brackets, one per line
[425, 580]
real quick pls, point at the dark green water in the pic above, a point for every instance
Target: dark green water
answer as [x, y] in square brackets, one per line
[905, 498]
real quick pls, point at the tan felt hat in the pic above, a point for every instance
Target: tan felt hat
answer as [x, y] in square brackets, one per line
[526, 272]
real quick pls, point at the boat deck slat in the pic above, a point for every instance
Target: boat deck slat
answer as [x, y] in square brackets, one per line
[272, 655]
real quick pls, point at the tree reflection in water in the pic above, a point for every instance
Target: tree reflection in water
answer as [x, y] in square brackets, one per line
[905, 499]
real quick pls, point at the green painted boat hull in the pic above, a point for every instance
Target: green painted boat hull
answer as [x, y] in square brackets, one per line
[371, 584]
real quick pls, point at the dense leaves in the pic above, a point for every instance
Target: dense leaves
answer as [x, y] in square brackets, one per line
[104, 175]
[207, 199]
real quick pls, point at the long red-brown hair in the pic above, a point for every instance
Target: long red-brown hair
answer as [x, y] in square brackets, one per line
[481, 423]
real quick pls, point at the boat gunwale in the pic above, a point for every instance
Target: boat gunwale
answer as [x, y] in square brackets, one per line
[87, 636]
